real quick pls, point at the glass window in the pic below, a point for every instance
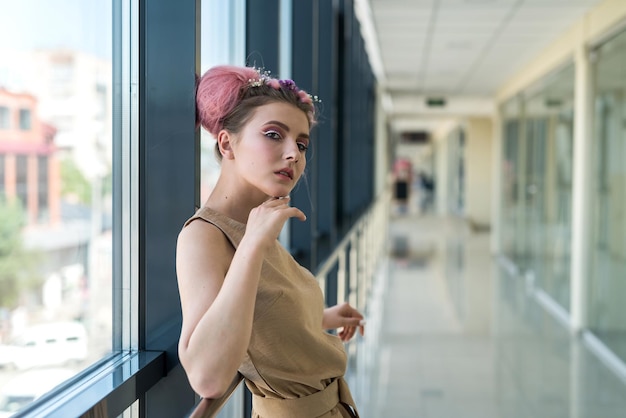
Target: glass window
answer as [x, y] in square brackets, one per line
[608, 225]
[5, 122]
[62, 75]
[456, 160]
[21, 179]
[25, 119]
[42, 189]
[537, 181]
[557, 217]
[2, 164]
[218, 18]
[55, 266]
[509, 204]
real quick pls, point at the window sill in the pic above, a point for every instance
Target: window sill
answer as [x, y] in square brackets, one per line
[118, 381]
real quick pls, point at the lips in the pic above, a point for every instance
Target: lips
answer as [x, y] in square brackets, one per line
[287, 172]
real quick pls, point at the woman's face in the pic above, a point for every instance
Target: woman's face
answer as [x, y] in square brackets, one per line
[270, 151]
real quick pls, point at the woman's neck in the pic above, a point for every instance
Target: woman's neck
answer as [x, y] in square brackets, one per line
[230, 202]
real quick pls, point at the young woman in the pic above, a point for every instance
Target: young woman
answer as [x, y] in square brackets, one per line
[248, 306]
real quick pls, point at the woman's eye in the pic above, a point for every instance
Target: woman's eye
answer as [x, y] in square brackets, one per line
[302, 147]
[272, 134]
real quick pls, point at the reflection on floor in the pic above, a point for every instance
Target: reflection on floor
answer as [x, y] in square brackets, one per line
[451, 334]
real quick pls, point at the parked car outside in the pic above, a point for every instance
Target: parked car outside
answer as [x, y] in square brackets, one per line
[44, 345]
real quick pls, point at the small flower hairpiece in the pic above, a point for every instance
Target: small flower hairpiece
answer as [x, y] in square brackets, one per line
[288, 84]
[265, 78]
[255, 83]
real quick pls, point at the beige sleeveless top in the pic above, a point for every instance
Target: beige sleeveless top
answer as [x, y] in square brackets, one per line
[290, 356]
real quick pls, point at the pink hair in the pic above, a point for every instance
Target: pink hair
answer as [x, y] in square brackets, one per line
[218, 93]
[226, 96]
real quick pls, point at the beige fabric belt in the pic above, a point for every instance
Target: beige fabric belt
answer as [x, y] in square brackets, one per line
[312, 405]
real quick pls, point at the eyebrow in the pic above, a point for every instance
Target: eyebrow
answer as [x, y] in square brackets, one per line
[285, 127]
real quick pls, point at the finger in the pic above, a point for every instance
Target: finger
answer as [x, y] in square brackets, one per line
[346, 338]
[352, 332]
[296, 213]
[349, 333]
[277, 202]
[354, 322]
[345, 333]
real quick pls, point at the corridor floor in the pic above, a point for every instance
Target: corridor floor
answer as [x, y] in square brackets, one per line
[452, 334]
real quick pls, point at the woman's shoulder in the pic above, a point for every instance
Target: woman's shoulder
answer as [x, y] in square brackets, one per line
[208, 228]
[202, 251]
[221, 221]
[203, 235]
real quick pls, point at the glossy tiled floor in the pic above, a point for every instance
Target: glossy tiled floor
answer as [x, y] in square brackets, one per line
[451, 334]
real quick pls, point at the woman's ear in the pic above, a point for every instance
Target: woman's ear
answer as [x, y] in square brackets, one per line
[225, 142]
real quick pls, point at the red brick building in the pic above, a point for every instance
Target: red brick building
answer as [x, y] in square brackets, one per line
[29, 170]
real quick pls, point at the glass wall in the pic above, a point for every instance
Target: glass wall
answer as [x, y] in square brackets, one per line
[548, 172]
[456, 174]
[218, 18]
[608, 224]
[56, 194]
[511, 114]
[536, 187]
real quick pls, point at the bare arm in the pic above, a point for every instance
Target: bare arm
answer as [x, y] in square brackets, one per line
[218, 299]
[218, 289]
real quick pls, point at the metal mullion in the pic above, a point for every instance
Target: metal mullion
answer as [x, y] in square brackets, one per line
[125, 134]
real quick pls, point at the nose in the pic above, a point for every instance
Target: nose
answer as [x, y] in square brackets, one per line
[292, 152]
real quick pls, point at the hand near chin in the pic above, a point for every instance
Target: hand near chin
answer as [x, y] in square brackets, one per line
[267, 220]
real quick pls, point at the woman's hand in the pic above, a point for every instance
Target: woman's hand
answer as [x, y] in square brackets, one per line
[346, 317]
[266, 220]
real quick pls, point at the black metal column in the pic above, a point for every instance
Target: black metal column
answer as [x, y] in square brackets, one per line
[168, 183]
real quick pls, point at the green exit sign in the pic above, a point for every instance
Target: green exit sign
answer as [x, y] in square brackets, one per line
[435, 102]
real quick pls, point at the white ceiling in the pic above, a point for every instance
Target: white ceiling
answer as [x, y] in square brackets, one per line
[462, 49]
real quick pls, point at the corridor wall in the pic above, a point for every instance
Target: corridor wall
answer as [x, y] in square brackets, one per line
[560, 189]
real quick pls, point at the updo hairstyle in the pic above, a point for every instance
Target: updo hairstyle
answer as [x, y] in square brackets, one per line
[226, 97]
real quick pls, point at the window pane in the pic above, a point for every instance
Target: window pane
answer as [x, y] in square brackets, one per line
[608, 227]
[218, 17]
[547, 196]
[510, 203]
[132, 411]
[25, 122]
[2, 159]
[537, 181]
[55, 193]
[4, 117]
